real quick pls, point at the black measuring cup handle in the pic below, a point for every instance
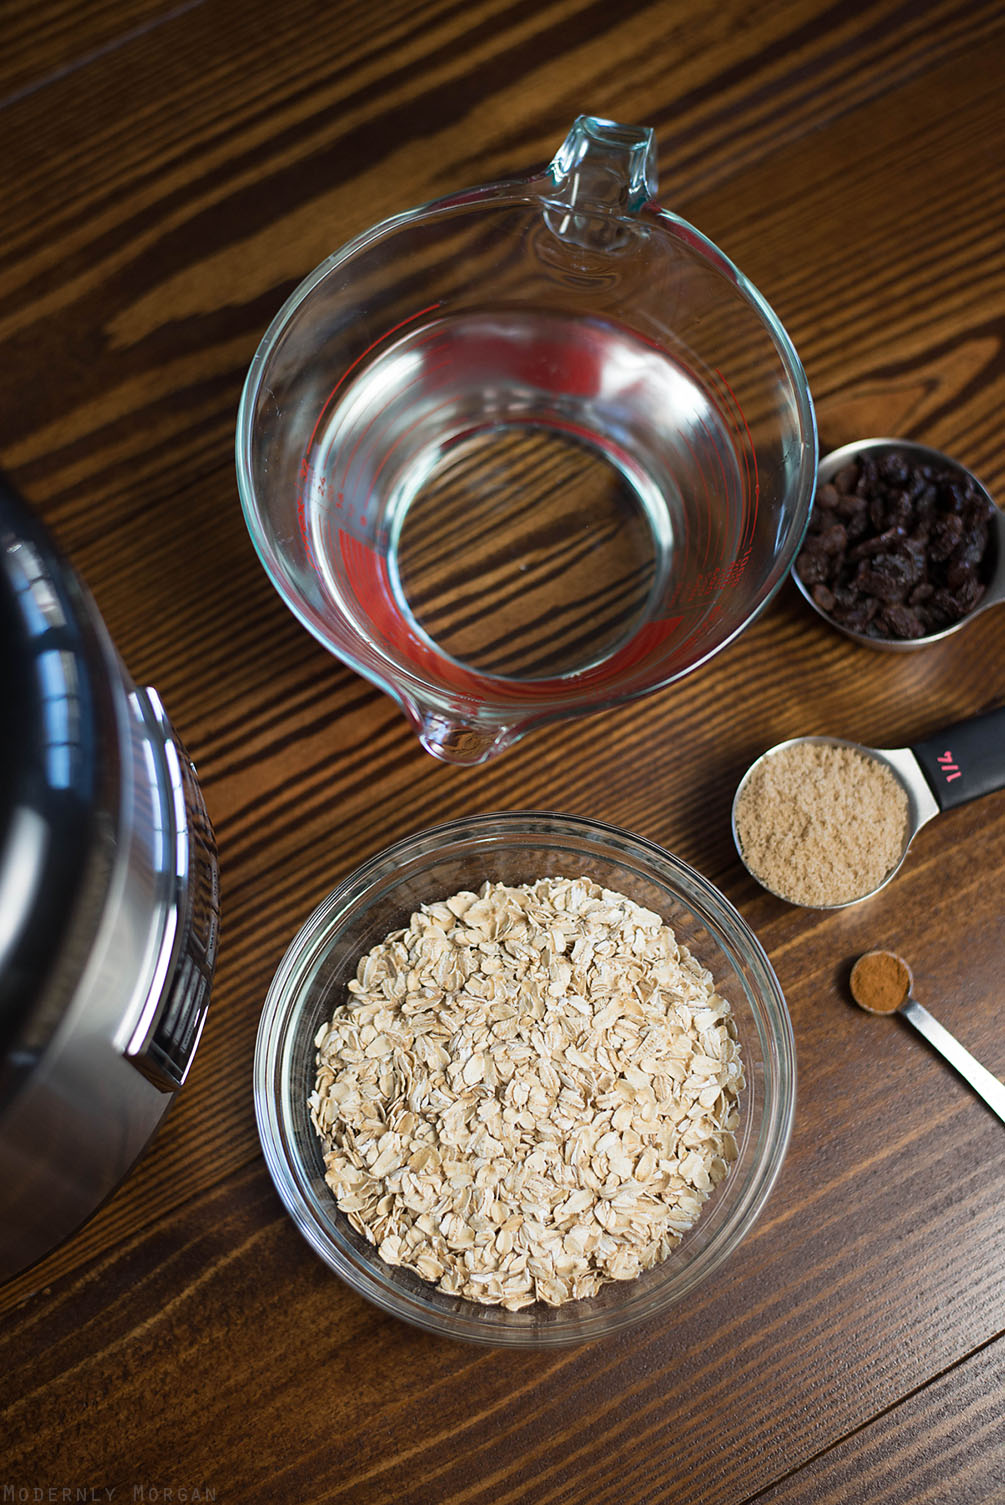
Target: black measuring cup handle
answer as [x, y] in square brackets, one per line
[966, 760]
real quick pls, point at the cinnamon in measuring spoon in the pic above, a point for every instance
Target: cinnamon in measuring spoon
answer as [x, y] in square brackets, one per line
[880, 982]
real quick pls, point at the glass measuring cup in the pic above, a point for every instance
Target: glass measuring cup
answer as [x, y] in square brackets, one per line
[529, 451]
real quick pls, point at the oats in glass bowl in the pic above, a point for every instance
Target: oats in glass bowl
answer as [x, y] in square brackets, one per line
[530, 1092]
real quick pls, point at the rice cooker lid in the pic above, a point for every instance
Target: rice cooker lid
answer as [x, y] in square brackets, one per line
[57, 763]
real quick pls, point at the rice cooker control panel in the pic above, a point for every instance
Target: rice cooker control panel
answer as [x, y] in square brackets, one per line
[164, 1044]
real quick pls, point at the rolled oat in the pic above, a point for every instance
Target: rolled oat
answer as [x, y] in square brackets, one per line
[530, 1091]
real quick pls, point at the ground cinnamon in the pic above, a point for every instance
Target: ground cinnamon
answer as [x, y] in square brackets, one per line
[880, 982]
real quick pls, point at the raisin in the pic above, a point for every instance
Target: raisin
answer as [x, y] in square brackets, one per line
[919, 482]
[857, 526]
[963, 566]
[867, 474]
[899, 621]
[848, 507]
[897, 548]
[900, 511]
[894, 469]
[879, 543]
[835, 540]
[946, 534]
[943, 607]
[877, 512]
[914, 553]
[821, 520]
[952, 495]
[973, 545]
[967, 594]
[812, 567]
[857, 618]
[885, 576]
[925, 503]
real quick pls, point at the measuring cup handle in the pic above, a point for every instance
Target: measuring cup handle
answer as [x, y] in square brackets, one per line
[603, 167]
[966, 760]
[970, 1069]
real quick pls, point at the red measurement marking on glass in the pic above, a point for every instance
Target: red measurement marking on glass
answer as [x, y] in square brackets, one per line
[426, 373]
[685, 544]
[362, 356]
[722, 577]
[367, 571]
[334, 531]
[423, 418]
[304, 475]
[305, 462]
[724, 488]
[748, 532]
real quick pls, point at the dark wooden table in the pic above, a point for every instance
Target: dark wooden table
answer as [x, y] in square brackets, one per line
[168, 173]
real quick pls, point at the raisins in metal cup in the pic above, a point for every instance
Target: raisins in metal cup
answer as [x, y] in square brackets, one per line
[897, 547]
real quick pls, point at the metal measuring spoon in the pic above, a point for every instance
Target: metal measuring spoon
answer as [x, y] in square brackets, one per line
[951, 768]
[881, 983]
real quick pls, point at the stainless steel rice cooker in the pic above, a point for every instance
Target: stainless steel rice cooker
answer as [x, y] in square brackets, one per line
[109, 902]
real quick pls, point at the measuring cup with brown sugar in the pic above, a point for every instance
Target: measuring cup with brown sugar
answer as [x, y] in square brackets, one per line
[824, 822]
[530, 451]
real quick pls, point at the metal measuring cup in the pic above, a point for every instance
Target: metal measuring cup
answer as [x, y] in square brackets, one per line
[954, 766]
[994, 593]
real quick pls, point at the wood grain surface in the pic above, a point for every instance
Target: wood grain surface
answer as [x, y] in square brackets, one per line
[168, 173]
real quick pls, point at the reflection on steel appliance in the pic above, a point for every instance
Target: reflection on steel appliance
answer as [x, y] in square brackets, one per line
[108, 902]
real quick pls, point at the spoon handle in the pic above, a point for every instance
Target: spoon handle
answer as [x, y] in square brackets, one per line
[980, 1079]
[966, 760]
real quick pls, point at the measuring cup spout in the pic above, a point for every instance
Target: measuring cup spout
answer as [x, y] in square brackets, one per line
[455, 739]
[601, 168]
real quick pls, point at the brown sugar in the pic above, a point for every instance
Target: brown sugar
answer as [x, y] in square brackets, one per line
[821, 823]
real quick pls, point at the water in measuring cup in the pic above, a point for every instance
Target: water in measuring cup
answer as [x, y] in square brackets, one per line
[535, 487]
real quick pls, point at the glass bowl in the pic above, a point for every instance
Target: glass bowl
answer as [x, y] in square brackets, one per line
[515, 848]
